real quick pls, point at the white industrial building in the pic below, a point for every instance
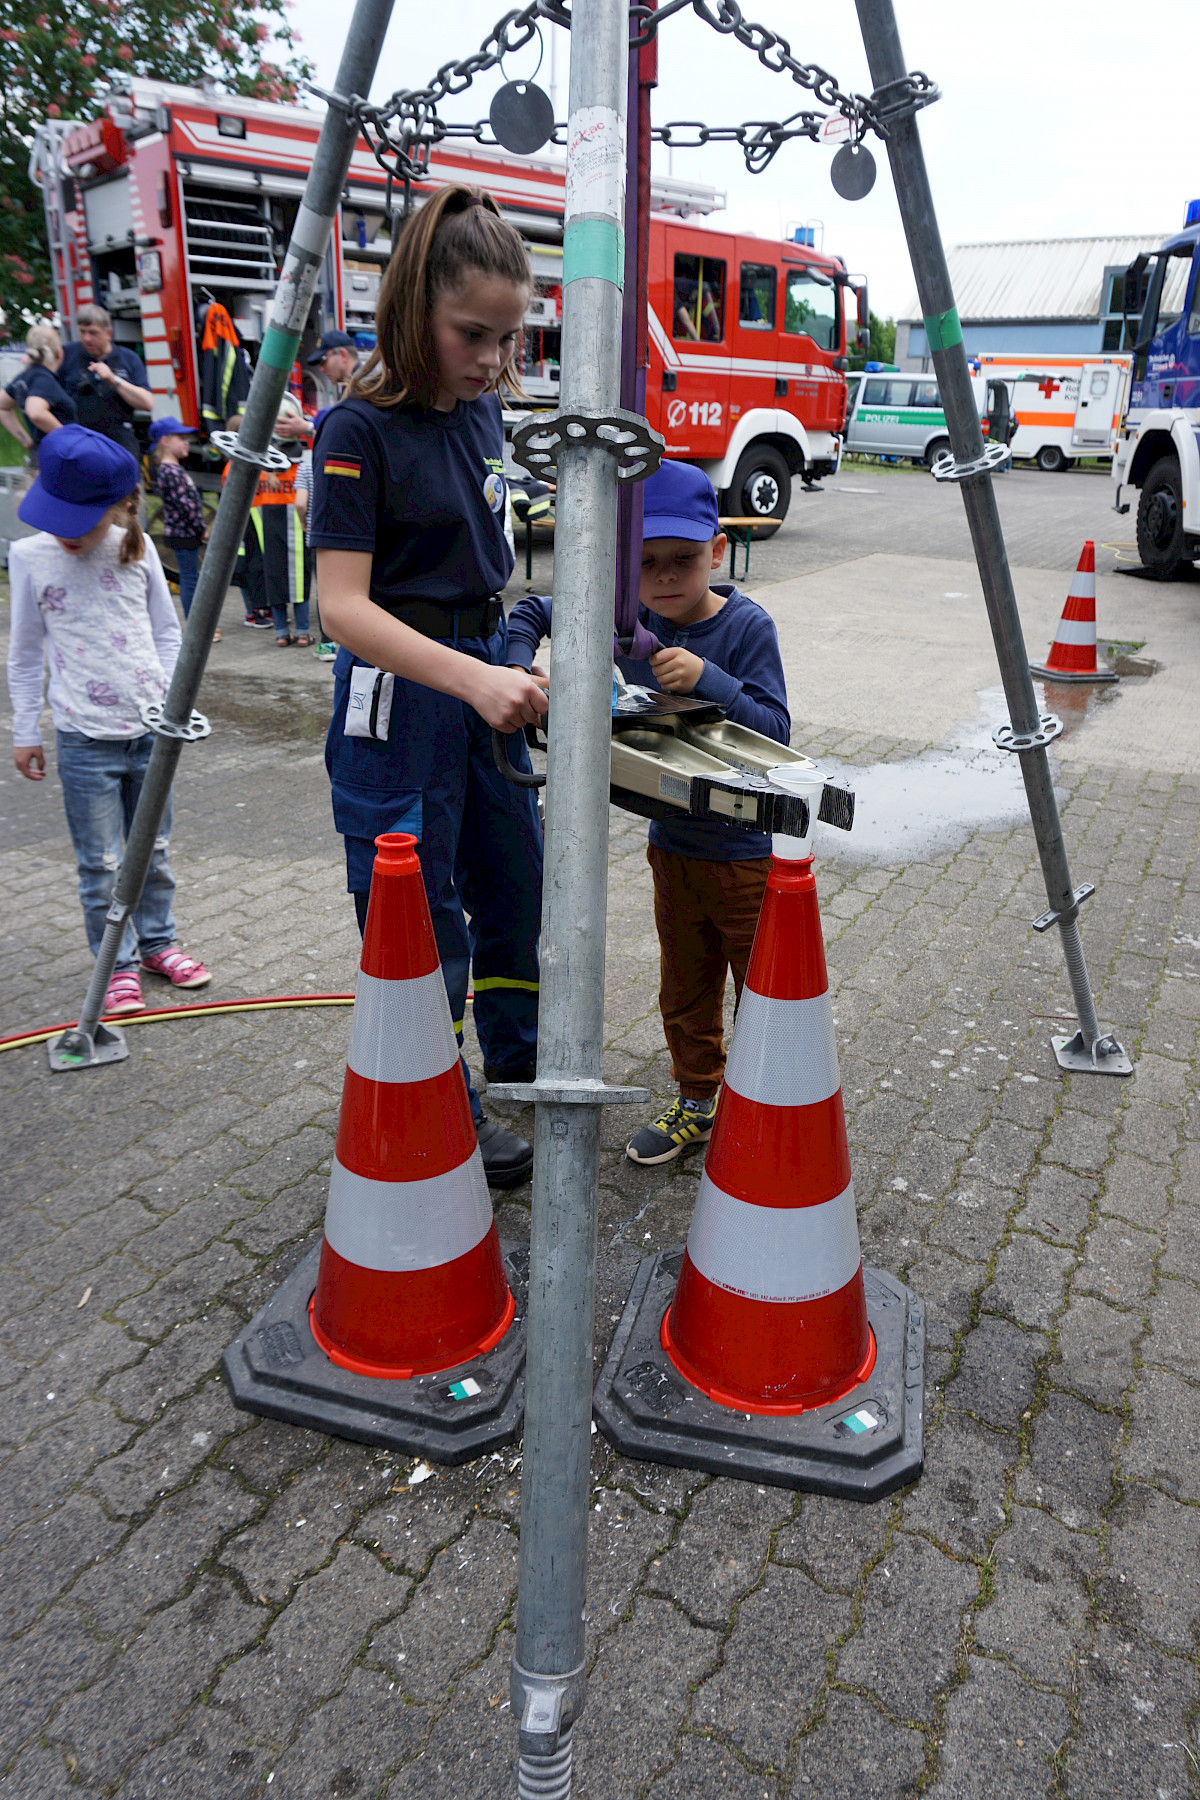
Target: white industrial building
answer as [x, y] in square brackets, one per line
[1042, 296]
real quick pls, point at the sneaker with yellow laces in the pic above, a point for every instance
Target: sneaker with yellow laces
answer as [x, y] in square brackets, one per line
[685, 1122]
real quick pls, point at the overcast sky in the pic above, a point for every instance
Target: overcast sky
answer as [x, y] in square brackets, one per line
[1044, 129]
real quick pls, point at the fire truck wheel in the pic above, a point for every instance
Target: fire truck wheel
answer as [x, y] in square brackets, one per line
[1050, 459]
[1160, 538]
[761, 487]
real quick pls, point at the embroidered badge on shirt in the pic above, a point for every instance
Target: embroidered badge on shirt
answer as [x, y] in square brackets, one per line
[343, 465]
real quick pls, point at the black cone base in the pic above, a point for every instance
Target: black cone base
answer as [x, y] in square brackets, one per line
[277, 1368]
[867, 1443]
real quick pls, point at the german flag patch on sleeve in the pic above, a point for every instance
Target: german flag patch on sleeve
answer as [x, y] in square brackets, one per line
[344, 465]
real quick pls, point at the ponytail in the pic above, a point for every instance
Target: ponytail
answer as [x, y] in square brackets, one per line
[133, 544]
[455, 233]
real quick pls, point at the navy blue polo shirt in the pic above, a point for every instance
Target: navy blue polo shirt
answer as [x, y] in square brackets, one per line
[39, 383]
[97, 403]
[421, 492]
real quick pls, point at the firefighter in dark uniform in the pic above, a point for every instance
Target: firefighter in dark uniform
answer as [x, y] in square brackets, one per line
[408, 516]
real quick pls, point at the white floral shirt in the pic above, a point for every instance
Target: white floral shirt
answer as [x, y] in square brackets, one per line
[107, 631]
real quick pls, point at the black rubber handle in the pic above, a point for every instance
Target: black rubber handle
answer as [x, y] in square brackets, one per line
[518, 777]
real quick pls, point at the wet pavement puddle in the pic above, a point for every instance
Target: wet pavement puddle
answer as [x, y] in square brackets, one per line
[931, 803]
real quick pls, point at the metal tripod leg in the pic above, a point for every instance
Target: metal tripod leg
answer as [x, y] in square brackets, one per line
[1028, 732]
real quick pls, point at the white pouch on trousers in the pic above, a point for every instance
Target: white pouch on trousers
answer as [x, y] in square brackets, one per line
[369, 710]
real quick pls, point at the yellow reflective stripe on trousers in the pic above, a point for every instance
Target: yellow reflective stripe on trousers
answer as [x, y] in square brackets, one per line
[405, 1225]
[503, 981]
[775, 1253]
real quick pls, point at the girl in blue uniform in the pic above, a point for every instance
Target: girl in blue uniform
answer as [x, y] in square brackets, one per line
[408, 513]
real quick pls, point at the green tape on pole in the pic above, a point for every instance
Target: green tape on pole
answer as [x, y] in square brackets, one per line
[943, 329]
[594, 247]
[279, 347]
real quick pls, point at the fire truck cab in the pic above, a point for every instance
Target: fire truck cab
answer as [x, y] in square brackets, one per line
[177, 199]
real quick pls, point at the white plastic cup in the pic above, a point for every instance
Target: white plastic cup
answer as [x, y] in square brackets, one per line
[806, 784]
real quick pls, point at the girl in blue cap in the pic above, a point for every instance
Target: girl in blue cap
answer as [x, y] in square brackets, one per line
[408, 511]
[89, 599]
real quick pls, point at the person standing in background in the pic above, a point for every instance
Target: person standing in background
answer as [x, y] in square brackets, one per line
[107, 382]
[184, 530]
[37, 392]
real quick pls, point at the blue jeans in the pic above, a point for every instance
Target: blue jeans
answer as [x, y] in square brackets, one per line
[188, 562]
[101, 780]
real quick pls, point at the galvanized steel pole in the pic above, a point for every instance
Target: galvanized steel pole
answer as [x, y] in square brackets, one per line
[91, 1042]
[548, 1674]
[1028, 732]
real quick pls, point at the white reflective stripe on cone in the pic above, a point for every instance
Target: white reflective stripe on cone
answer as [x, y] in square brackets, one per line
[1075, 631]
[402, 1225]
[784, 1052]
[1083, 586]
[774, 1252]
[402, 1029]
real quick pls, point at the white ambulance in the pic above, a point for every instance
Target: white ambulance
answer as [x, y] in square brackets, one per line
[1066, 406]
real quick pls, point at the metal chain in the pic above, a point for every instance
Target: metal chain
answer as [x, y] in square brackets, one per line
[403, 130]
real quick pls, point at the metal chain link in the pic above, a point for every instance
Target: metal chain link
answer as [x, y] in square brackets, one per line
[402, 132]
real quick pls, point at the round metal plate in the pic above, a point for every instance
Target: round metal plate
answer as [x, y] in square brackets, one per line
[522, 117]
[852, 172]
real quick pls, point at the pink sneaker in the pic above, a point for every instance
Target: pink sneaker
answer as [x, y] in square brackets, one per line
[124, 993]
[177, 967]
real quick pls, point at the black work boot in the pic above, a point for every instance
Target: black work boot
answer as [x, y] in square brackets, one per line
[507, 1158]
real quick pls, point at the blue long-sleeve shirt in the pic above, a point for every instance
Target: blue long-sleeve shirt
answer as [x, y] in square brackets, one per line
[742, 673]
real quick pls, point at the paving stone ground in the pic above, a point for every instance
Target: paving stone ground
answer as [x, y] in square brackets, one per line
[197, 1603]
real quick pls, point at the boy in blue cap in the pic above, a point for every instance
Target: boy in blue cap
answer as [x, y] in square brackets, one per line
[709, 878]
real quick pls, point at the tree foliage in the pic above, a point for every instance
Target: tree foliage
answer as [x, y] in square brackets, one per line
[58, 63]
[883, 344]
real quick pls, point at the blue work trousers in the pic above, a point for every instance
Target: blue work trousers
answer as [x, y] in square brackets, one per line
[479, 841]
[101, 780]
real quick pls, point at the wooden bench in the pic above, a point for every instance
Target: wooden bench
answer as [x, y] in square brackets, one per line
[741, 531]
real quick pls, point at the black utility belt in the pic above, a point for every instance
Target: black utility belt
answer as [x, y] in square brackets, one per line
[480, 619]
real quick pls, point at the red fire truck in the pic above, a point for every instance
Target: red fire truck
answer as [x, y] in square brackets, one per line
[176, 198]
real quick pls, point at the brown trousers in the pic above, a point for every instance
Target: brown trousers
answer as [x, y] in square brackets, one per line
[706, 914]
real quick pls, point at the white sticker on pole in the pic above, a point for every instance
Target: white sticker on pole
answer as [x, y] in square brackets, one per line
[596, 163]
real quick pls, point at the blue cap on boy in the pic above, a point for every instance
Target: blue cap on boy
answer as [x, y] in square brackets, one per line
[80, 475]
[679, 502]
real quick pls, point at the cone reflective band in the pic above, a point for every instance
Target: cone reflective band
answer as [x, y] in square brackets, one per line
[770, 1314]
[411, 1277]
[1073, 653]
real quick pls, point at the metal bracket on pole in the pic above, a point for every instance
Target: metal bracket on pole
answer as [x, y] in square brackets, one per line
[230, 444]
[1045, 920]
[635, 446]
[546, 1091]
[901, 98]
[77, 1049]
[196, 728]
[1007, 737]
[944, 467]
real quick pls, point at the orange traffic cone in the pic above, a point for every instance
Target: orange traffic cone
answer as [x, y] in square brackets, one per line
[1073, 653]
[401, 1333]
[778, 1357]
[770, 1314]
[411, 1277]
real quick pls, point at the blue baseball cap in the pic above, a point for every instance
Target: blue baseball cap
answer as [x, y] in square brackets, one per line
[331, 340]
[680, 502]
[170, 427]
[80, 475]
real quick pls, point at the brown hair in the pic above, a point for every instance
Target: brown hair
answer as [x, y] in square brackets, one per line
[133, 544]
[458, 231]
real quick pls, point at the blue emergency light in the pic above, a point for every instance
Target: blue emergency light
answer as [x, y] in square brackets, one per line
[1192, 215]
[805, 234]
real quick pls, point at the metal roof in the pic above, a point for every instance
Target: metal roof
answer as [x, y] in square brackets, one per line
[1037, 278]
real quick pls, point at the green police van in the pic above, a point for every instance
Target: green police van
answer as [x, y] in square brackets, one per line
[896, 415]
